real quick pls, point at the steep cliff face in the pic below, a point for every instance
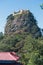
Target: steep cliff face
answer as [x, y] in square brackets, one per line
[20, 30]
[22, 21]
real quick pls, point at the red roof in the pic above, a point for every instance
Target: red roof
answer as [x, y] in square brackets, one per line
[8, 56]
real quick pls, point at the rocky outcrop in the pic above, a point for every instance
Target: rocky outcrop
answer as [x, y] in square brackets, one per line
[22, 21]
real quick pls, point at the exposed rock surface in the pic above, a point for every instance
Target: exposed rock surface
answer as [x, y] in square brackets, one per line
[22, 21]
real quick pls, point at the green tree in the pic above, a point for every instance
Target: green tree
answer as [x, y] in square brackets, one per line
[1, 35]
[10, 17]
[41, 6]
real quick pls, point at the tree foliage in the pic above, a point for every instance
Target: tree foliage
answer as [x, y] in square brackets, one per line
[28, 44]
[41, 6]
[1, 35]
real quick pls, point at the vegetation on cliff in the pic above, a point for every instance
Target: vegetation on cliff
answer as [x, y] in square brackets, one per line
[23, 36]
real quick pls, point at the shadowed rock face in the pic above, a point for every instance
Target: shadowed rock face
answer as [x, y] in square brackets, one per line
[22, 21]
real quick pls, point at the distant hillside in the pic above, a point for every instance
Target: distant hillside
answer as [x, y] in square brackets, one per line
[22, 21]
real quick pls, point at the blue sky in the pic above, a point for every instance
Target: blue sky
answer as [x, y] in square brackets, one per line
[9, 6]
